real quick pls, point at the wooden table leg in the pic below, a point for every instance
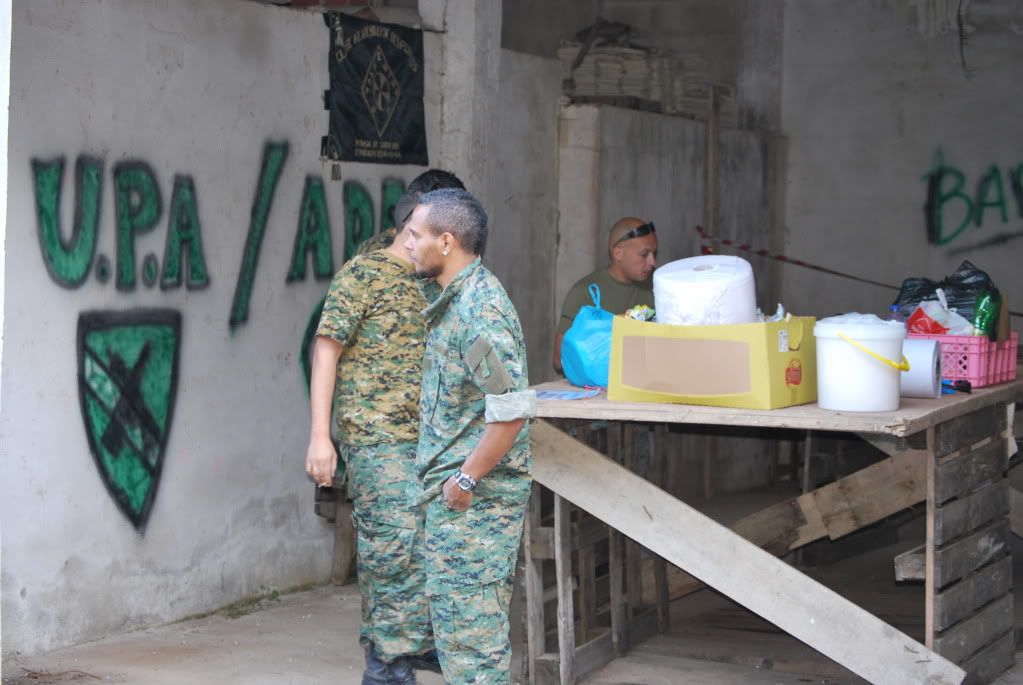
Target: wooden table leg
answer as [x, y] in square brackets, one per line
[633, 589]
[563, 572]
[658, 468]
[535, 631]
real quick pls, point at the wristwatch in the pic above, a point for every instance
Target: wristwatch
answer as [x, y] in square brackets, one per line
[464, 481]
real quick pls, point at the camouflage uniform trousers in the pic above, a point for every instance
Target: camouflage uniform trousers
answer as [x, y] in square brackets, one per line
[471, 568]
[392, 574]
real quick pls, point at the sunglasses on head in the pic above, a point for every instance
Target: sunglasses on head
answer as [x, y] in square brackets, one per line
[638, 232]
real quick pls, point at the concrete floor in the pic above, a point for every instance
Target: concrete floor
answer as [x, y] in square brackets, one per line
[306, 638]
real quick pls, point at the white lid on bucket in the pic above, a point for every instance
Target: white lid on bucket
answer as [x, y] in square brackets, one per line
[860, 327]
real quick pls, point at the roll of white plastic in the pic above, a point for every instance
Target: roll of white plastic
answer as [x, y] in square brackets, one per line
[705, 290]
[924, 376]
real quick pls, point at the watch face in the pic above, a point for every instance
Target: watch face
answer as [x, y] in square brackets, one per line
[465, 482]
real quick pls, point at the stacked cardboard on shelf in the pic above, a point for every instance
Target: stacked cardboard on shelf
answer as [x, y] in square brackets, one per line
[665, 81]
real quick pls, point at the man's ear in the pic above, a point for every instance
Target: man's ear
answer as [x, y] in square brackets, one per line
[617, 253]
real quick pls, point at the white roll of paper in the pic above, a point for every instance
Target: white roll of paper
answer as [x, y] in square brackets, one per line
[705, 290]
[924, 376]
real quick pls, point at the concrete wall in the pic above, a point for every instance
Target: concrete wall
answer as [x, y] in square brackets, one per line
[875, 102]
[174, 92]
[740, 38]
[618, 162]
[522, 184]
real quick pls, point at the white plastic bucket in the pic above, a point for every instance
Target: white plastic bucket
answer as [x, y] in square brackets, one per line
[859, 362]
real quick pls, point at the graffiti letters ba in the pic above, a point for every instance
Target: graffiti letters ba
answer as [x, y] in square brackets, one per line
[127, 382]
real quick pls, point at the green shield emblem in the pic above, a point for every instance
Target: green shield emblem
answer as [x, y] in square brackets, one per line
[127, 382]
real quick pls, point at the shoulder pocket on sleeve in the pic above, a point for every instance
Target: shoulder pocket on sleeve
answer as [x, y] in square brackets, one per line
[487, 369]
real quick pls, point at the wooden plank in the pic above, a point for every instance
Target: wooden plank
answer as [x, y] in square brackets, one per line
[981, 629]
[535, 619]
[836, 509]
[563, 571]
[633, 588]
[594, 654]
[911, 564]
[991, 661]
[964, 515]
[930, 585]
[658, 473]
[616, 577]
[584, 534]
[541, 542]
[962, 599]
[966, 430]
[873, 493]
[912, 416]
[747, 574]
[961, 475]
[587, 594]
[962, 558]
[1016, 510]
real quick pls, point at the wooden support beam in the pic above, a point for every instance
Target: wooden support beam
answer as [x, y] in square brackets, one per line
[834, 510]
[739, 569]
[911, 564]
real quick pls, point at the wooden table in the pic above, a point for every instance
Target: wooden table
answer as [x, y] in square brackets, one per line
[952, 452]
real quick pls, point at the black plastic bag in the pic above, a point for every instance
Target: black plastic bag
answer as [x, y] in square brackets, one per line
[963, 288]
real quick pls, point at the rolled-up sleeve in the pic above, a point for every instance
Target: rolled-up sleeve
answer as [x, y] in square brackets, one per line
[510, 406]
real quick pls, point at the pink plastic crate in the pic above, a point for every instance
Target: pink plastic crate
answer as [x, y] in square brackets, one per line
[976, 359]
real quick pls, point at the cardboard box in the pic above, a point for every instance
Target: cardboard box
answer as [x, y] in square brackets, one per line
[752, 366]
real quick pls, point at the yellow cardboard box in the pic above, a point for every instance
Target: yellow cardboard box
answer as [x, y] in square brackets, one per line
[753, 366]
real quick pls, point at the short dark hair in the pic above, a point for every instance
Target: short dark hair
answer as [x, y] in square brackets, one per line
[429, 180]
[457, 212]
[434, 179]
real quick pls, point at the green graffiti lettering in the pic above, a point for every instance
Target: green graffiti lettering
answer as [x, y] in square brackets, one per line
[305, 354]
[390, 190]
[68, 261]
[138, 209]
[938, 196]
[1016, 183]
[313, 234]
[274, 156]
[358, 216]
[990, 181]
[184, 239]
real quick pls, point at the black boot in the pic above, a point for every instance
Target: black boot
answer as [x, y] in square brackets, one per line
[426, 662]
[398, 672]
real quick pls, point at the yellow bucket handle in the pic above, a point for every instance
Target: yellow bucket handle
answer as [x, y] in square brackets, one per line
[898, 366]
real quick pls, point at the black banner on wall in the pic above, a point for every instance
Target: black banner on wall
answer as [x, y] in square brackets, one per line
[376, 92]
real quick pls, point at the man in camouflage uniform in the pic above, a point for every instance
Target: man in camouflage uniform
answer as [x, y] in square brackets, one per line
[369, 351]
[473, 458]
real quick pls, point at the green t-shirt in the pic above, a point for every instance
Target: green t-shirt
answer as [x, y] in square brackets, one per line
[615, 296]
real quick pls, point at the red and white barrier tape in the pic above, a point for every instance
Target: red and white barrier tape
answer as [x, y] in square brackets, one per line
[706, 240]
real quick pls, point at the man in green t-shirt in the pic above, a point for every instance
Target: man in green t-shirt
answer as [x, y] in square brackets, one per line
[625, 283]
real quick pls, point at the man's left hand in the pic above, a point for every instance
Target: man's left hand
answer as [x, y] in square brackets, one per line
[455, 497]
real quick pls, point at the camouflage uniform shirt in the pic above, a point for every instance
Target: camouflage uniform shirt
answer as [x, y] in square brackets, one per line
[474, 372]
[378, 242]
[373, 310]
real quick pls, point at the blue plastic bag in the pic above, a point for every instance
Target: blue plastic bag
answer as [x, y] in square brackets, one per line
[586, 347]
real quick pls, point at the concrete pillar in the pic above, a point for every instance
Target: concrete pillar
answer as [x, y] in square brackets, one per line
[471, 56]
[758, 87]
[5, 99]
